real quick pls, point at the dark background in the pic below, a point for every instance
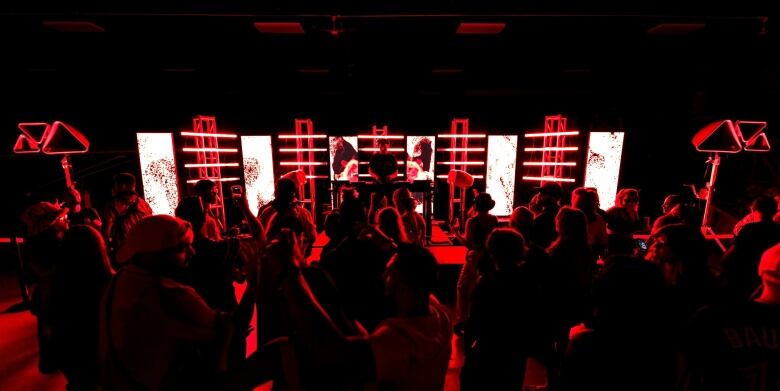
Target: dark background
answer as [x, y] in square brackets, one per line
[605, 65]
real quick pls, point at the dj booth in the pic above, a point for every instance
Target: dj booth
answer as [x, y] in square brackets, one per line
[366, 188]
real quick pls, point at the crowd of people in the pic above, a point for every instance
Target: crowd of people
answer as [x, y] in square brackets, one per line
[135, 301]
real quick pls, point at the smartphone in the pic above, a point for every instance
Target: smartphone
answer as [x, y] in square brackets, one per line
[642, 244]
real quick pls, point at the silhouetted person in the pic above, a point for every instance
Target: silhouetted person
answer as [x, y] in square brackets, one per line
[410, 350]
[735, 346]
[545, 205]
[478, 228]
[46, 226]
[155, 332]
[628, 345]
[506, 322]
[740, 261]
[79, 283]
[124, 210]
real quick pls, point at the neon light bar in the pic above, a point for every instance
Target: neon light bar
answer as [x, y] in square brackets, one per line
[215, 135]
[368, 175]
[316, 177]
[194, 165]
[462, 135]
[230, 179]
[397, 161]
[302, 149]
[553, 134]
[567, 164]
[473, 176]
[602, 168]
[461, 149]
[394, 136]
[158, 171]
[258, 171]
[547, 179]
[472, 163]
[302, 163]
[377, 149]
[230, 150]
[293, 136]
[552, 149]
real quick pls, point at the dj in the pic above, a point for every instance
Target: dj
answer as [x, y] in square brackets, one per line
[383, 167]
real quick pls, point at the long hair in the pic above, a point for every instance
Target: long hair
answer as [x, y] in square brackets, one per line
[389, 222]
[622, 194]
[584, 200]
[572, 227]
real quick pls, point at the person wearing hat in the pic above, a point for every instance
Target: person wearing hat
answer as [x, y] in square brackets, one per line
[545, 206]
[737, 346]
[478, 228]
[155, 332]
[46, 225]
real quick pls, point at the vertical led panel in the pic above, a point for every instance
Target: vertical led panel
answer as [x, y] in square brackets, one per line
[602, 167]
[343, 158]
[421, 158]
[158, 171]
[500, 178]
[258, 170]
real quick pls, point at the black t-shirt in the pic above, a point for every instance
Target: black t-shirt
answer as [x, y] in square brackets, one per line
[734, 347]
[383, 164]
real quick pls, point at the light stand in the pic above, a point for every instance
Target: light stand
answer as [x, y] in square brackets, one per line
[706, 224]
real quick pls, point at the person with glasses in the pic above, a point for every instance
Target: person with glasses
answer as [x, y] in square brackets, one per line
[623, 218]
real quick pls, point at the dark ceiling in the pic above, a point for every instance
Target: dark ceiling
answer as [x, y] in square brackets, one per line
[649, 67]
[383, 49]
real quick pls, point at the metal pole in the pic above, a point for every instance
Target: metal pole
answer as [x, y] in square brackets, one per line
[708, 207]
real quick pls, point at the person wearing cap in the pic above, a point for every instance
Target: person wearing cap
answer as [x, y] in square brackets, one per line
[545, 206]
[737, 346]
[46, 226]
[740, 261]
[125, 209]
[286, 205]
[477, 261]
[155, 332]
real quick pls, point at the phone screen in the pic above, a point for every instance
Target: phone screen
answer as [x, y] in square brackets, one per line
[641, 244]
